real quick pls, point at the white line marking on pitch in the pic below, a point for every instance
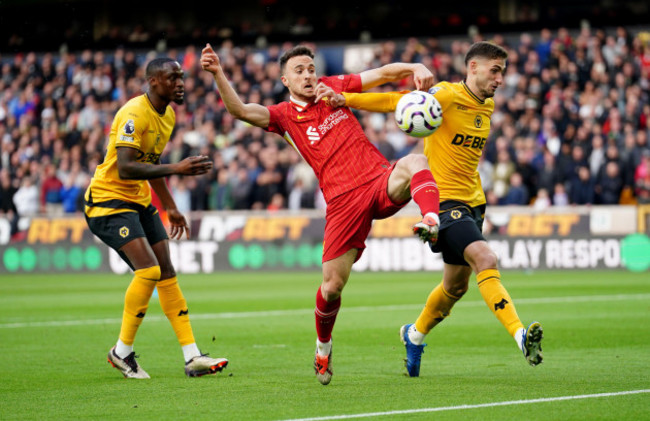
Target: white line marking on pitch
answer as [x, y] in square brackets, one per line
[303, 311]
[480, 405]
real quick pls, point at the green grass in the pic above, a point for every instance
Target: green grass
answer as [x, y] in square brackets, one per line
[596, 341]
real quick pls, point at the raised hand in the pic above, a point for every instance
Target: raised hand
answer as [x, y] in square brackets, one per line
[209, 59]
[325, 92]
[423, 78]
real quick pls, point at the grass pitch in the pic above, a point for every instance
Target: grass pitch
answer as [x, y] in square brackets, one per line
[55, 332]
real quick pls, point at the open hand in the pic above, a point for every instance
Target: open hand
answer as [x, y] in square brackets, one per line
[194, 165]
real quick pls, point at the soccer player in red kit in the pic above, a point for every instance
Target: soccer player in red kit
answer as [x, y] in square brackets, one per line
[358, 183]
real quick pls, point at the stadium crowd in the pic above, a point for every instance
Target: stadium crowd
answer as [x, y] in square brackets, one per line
[570, 125]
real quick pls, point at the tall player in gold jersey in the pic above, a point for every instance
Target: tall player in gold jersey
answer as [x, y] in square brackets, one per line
[453, 152]
[119, 211]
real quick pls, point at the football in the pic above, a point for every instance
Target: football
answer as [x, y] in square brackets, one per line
[418, 114]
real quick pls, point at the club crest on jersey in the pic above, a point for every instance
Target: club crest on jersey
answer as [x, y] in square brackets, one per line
[124, 232]
[478, 121]
[312, 134]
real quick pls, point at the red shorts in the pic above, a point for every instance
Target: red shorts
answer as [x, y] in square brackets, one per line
[349, 216]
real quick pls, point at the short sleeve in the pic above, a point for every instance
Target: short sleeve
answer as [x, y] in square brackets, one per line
[343, 83]
[275, 119]
[130, 127]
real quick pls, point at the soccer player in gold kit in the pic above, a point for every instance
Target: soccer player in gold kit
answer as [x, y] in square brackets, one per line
[453, 152]
[118, 210]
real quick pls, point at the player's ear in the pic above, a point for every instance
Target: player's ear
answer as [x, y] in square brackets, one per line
[473, 66]
[284, 80]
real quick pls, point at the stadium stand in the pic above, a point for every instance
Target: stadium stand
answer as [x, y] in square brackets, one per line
[570, 126]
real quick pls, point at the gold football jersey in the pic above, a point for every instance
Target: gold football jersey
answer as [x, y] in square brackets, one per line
[136, 125]
[454, 149]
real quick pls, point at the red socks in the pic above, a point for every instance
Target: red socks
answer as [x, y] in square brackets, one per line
[424, 192]
[325, 316]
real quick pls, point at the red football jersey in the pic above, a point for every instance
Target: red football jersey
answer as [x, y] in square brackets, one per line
[331, 140]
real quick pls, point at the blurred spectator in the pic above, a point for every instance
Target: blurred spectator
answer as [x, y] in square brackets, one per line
[51, 191]
[610, 185]
[7, 207]
[70, 192]
[517, 193]
[241, 187]
[502, 172]
[220, 192]
[26, 198]
[181, 194]
[486, 173]
[542, 201]
[582, 187]
[560, 197]
[642, 178]
[7, 192]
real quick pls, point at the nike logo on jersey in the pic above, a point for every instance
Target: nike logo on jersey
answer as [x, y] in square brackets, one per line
[301, 117]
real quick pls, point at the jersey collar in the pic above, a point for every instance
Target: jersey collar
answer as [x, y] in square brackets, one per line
[154, 108]
[469, 91]
[299, 105]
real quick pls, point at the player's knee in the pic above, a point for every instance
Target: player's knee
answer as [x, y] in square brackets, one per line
[416, 162]
[167, 272]
[458, 290]
[151, 273]
[487, 260]
[332, 288]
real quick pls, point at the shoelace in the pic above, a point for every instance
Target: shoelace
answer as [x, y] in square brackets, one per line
[130, 361]
[198, 356]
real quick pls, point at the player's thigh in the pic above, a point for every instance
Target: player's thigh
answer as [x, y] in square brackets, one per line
[152, 225]
[124, 233]
[139, 254]
[399, 182]
[337, 271]
[348, 220]
[460, 226]
[480, 256]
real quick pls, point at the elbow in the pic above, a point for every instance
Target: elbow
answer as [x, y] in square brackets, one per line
[123, 173]
[239, 113]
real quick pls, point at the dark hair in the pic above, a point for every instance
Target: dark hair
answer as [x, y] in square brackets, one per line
[156, 65]
[298, 50]
[486, 50]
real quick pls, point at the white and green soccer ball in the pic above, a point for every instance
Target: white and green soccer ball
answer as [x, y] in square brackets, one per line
[418, 114]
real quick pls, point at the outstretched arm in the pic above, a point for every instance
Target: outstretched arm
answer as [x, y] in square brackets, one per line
[255, 114]
[376, 102]
[392, 72]
[129, 168]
